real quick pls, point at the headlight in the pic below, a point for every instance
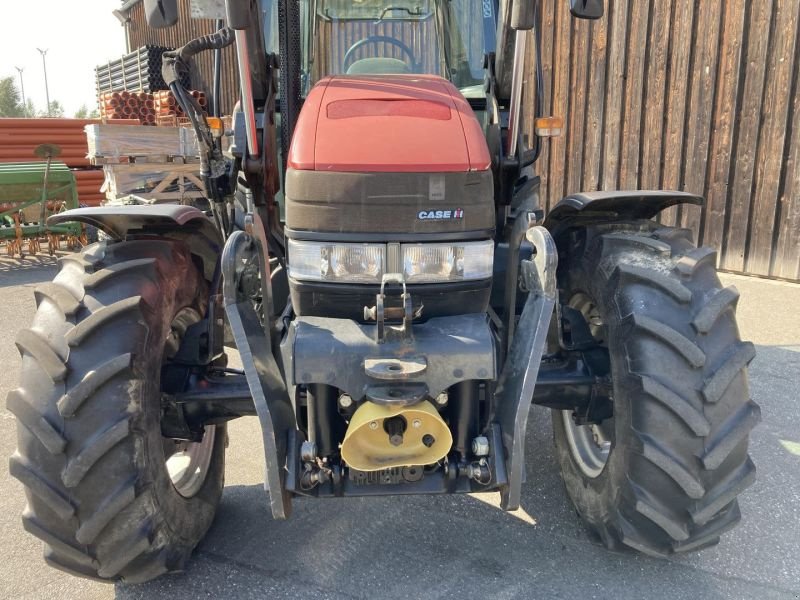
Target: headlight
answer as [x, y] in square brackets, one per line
[345, 263]
[433, 263]
[367, 263]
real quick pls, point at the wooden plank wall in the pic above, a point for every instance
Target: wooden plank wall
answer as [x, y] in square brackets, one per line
[693, 95]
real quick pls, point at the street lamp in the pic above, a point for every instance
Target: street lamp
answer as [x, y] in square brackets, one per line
[46, 89]
[22, 87]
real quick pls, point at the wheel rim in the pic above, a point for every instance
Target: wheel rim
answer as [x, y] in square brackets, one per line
[588, 308]
[187, 462]
[590, 445]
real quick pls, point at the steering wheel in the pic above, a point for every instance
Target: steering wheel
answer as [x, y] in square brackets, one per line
[349, 57]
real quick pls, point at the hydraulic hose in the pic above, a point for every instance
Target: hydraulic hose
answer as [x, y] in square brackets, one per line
[209, 152]
[172, 61]
[213, 41]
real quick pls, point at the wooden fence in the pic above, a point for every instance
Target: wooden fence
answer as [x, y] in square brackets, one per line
[693, 95]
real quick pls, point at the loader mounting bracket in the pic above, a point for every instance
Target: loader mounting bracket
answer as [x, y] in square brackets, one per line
[270, 397]
[520, 372]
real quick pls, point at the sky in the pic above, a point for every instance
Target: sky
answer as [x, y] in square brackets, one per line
[78, 34]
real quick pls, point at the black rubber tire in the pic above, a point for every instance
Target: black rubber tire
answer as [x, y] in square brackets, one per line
[682, 411]
[89, 444]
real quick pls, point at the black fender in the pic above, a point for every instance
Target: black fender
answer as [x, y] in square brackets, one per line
[185, 223]
[590, 208]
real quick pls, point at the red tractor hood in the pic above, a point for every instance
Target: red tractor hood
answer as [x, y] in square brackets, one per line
[388, 123]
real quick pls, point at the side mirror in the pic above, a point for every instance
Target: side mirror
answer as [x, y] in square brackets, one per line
[238, 13]
[586, 9]
[161, 13]
[523, 15]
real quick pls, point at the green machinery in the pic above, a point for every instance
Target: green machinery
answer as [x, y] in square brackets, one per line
[29, 193]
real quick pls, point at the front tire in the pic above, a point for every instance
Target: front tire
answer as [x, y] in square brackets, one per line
[90, 452]
[676, 448]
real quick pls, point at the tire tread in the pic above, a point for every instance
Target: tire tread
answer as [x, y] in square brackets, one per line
[30, 342]
[682, 367]
[76, 408]
[20, 406]
[70, 402]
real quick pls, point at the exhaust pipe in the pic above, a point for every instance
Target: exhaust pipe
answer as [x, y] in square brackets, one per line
[520, 44]
[238, 13]
[523, 18]
[246, 84]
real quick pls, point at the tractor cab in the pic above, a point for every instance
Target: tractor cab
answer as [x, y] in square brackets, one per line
[399, 37]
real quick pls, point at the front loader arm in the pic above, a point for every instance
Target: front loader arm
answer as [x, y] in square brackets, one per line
[267, 387]
[520, 371]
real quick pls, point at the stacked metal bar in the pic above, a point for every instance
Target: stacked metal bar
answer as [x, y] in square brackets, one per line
[138, 71]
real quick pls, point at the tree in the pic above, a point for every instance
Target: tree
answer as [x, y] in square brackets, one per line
[84, 113]
[10, 102]
[56, 110]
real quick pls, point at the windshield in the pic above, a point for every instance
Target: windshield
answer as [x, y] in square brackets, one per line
[448, 38]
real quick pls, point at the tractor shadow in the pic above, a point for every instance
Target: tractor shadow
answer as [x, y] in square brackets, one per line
[28, 270]
[425, 547]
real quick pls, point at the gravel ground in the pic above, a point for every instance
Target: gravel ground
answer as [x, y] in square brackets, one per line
[460, 546]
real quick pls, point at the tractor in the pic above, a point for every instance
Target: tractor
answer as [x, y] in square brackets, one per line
[374, 247]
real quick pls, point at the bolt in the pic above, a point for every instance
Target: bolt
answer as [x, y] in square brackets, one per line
[416, 423]
[395, 427]
[441, 399]
[480, 446]
[345, 401]
[308, 451]
[373, 425]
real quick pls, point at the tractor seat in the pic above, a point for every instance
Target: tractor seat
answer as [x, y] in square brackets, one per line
[379, 66]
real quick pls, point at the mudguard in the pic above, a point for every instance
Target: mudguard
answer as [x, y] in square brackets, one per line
[587, 208]
[166, 220]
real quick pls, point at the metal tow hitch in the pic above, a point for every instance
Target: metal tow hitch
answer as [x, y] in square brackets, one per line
[380, 312]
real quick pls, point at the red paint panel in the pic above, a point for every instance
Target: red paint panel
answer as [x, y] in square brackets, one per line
[479, 157]
[388, 123]
[301, 152]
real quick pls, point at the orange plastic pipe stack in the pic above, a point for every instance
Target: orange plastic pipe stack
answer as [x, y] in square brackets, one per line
[128, 105]
[167, 108]
[20, 137]
[89, 182]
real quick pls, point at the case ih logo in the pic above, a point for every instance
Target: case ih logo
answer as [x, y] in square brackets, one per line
[440, 215]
